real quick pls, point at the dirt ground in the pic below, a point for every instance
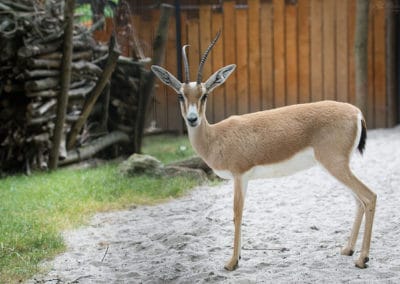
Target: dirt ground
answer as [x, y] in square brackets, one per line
[293, 230]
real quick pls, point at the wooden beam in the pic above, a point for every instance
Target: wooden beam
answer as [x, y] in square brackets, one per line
[279, 53]
[62, 101]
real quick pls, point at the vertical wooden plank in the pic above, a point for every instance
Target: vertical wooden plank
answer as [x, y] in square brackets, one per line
[229, 55]
[380, 65]
[351, 38]
[205, 39]
[217, 63]
[304, 51]
[328, 8]
[369, 116]
[193, 52]
[160, 97]
[316, 51]
[147, 28]
[254, 55]
[342, 50]
[135, 22]
[391, 64]
[279, 53]
[291, 54]
[109, 24]
[242, 61]
[184, 40]
[174, 116]
[267, 79]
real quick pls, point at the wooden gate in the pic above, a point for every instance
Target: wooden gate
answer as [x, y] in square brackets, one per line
[286, 52]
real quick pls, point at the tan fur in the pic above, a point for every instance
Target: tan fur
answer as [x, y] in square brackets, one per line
[267, 137]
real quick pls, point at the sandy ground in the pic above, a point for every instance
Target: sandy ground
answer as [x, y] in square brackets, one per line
[293, 230]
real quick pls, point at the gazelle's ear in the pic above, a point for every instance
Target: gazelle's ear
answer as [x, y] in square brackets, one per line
[167, 78]
[219, 77]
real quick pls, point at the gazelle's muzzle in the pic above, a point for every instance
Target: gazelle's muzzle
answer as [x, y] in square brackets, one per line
[192, 116]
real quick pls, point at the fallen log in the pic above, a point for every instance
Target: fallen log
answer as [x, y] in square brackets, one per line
[83, 55]
[40, 120]
[87, 67]
[72, 93]
[34, 63]
[40, 109]
[32, 50]
[80, 66]
[40, 73]
[42, 84]
[94, 147]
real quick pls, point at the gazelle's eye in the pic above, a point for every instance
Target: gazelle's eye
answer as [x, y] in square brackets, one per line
[180, 97]
[204, 97]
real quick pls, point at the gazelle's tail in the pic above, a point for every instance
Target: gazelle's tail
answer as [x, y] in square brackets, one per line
[363, 137]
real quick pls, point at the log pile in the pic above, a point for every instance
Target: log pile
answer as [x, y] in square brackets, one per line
[125, 85]
[31, 35]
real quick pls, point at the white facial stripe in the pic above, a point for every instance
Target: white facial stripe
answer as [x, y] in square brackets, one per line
[192, 110]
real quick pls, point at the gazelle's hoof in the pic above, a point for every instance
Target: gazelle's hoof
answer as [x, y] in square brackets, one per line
[232, 265]
[347, 251]
[362, 262]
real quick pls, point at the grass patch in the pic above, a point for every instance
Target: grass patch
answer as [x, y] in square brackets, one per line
[34, 210]
[175, 149]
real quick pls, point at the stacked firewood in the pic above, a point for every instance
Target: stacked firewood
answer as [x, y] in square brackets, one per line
[125, 87]
[31, 38]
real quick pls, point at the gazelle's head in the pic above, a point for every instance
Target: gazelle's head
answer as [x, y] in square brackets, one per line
[193, 95]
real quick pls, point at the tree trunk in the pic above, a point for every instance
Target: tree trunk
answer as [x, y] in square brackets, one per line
[361, 55]
[65, 81]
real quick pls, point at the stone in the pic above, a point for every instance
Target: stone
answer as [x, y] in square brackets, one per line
[175, 171]
[138, 164]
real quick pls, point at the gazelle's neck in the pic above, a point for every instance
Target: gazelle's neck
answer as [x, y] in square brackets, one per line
[200, 138]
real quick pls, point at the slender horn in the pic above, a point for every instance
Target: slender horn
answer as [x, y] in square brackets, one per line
[204, 58]
[185, 63]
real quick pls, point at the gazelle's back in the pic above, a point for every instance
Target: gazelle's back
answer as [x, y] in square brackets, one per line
[268, 137]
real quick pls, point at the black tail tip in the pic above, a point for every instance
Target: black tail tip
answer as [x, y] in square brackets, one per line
[363, 138]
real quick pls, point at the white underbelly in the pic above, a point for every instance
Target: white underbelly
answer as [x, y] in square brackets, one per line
[300, 161]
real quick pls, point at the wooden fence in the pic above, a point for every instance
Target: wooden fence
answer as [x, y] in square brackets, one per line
[286, 52]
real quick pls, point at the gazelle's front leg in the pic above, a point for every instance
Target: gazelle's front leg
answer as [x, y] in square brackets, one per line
[240, 186]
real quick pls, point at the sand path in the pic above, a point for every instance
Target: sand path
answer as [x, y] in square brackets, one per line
[293, 230]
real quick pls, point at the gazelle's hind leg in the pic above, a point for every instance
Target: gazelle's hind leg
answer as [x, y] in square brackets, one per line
[340, 169]
[349, 248]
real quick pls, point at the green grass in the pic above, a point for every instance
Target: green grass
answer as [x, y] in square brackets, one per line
[35, 209]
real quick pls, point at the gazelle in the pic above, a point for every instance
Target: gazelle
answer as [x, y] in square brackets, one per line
[275, 143]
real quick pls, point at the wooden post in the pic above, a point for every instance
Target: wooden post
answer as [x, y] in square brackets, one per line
[159, 45]
[113, 55]
[361, 55]
[391, 63]
[65, 81]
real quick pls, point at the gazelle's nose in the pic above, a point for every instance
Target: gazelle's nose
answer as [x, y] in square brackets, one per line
[192, 119]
